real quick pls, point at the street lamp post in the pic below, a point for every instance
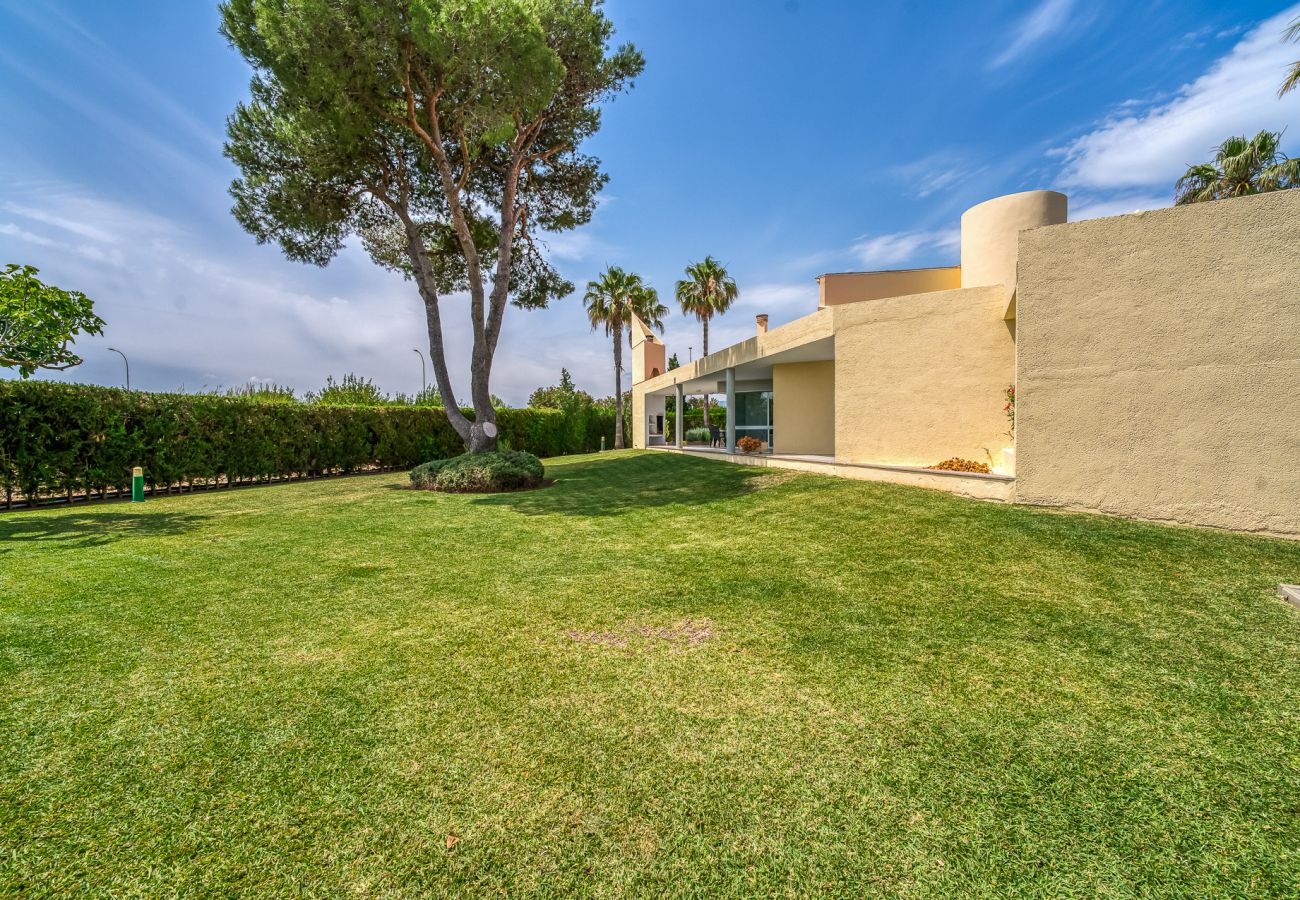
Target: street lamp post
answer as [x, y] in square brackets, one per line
[125, 363]
[424, 382]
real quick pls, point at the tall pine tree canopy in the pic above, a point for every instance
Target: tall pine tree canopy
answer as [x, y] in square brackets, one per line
[446, 134]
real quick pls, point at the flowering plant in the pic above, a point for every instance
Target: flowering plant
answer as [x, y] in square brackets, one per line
[749, 444]
[1010, 410]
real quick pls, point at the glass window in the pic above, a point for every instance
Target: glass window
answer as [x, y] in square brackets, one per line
[754, 415]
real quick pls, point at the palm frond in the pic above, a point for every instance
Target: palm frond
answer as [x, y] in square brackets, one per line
[1291, 35]
[1241, 166]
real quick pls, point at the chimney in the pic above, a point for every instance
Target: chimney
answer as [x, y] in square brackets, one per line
[761, 321]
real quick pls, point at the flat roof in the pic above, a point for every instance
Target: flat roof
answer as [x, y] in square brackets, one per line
[888, 271]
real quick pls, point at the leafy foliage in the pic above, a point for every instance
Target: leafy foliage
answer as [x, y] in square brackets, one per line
[38, 322]
[1292, 81]
[264, 393]
[445, 133]
[564, 395]
[1240, 167]
[705, 292]
[612, 300]
[64, 439]
[353, 390]
[1010, 409]
[480, 473]
[698, 435]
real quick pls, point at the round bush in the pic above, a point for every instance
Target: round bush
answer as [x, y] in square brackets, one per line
[480, 473]
[422, 475]
[698, 435]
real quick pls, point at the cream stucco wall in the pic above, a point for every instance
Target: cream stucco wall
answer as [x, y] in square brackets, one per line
[638, 436]
[920, 379]
[853, 287]
[803, 411]
[1159, 364]
[990, 232]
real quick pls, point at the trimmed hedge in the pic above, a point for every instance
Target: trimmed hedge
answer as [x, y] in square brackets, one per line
[62, 440]
[694, 418]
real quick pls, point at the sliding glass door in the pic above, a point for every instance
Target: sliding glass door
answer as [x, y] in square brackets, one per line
[754, 416]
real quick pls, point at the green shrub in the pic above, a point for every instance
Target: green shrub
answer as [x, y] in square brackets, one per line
[698, 435]
[480, 473]
[422, 476]
[65, 439]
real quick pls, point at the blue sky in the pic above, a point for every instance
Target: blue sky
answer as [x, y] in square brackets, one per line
[786, 137]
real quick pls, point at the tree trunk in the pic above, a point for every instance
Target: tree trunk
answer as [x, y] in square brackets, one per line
[618, 386]
[424, 281]
[707, 423]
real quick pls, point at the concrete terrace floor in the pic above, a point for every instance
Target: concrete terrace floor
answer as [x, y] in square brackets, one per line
[663, 676]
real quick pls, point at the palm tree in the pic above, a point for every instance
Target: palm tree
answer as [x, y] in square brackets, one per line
[611, 301]
[1292, 33]
[705, 292]
[1240, 167]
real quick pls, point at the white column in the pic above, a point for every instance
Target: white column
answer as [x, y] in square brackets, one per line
[681, 419]
[731, 410]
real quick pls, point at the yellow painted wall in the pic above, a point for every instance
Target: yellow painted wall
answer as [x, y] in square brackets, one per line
[920, 379]
[1159, 364]
[852, 287]
[803, 407]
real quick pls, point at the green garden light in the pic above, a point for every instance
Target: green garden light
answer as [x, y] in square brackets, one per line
[602, 443]
[137, 485]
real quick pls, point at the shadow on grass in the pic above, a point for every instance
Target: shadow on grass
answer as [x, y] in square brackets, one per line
[616, 485]
[72, 530]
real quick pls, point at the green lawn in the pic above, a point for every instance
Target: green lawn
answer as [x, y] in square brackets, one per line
[661, 676]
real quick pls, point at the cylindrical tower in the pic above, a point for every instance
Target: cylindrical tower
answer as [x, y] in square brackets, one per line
[990, 230]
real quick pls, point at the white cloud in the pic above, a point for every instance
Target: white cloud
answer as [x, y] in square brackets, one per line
[937, 172]
[198, 310]
[73, 226]
[573, 246]
[904, 246]
[1043, 21]
[1238, 95]
[11, 230]
[775, 299]
[59, 26]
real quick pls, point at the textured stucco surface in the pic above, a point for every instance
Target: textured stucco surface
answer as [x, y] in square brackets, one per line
[919, 379]
[803, 410]
[854, 287]
[1159, 365]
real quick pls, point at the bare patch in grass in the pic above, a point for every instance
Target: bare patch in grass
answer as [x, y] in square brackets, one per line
[633, 637]
[770, 479]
